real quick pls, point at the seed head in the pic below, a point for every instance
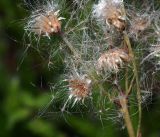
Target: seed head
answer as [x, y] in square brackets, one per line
[112, 60]
[110, 11]
[139, 23]
[45, 21]
[80, 87]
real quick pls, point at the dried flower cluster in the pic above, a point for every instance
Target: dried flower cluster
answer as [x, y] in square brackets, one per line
[112, 60]
[111, 11]
[139, 23]
[93, 65]
[45, 21]
[79, 87]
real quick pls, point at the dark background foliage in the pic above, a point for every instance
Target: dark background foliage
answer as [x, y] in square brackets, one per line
[24, 90]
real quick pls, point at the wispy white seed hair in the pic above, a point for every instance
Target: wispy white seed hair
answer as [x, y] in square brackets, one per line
[80, 4]
[117, 1]
[51, 6]
[100, 9]
[154, 52]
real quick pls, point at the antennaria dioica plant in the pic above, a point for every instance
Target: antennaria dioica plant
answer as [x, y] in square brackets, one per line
[110, 50]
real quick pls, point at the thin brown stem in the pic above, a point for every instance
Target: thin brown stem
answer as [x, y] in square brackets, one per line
[135, 70]
[124, 110]
[131, 85]
[126, 79]
[126, 116]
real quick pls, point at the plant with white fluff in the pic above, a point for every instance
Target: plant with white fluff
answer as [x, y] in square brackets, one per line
[101, 65]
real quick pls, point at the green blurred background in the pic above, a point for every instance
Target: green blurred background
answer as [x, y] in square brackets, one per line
[24, 91]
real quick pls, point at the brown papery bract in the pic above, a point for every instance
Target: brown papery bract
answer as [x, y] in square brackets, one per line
[112, 60]
[47, 24]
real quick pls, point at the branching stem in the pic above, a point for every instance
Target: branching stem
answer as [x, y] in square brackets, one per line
[135, 70]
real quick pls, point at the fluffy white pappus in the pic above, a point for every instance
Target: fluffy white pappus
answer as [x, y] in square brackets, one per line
[50, 6]
[100, 9]
[154, 52]
[79, 87]
[117, 1]
[80, 3]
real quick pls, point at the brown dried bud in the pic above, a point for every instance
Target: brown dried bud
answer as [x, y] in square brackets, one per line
[112, 60]
[115, 18]
[139, 23]
[45, 23]
[79, 87]
[112, 12]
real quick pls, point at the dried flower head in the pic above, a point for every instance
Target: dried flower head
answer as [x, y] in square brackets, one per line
[79, 87]
[139, 23]
[112, 60]
[111, 11]
[45, 20]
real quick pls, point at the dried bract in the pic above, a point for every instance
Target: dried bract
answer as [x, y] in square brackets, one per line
[112, 12]
[79, 87]
[139, 23]
[112, 60]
